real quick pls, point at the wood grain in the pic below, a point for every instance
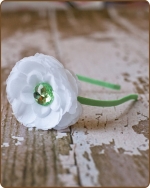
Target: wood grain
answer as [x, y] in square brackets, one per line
[107, 146]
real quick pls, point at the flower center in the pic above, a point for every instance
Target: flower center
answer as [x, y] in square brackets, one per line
[43, 94]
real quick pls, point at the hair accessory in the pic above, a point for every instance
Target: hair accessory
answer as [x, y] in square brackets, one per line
[45, 95]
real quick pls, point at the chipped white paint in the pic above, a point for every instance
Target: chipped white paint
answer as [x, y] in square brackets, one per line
[68, 162]
[120, 131]
[136, 59]
[107, 61]
[67, 179]
[55, 33]
[18, 143]
[101, 71]
[67, 130]
[107, 131]
[26, 40]
[5, 145]
[60, 135]
[30, 128]
[87, 168]
[102, 151]
[135, 30]
[18, 138]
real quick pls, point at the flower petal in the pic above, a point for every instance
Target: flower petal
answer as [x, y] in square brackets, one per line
[49, 121]
[73, 107]
[65, 100]
[69, 119]
[28, 65]
[51, 79]
[64, 122]
[73, 81]
[34, 78]
[41, 111]
[56, 103]
[67, 91]
[26, 95]
[15, 84]
[49, 60]
[30, 125]
[77, 113]
[23, 112]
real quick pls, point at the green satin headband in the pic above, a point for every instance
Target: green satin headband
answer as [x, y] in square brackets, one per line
[93, 102]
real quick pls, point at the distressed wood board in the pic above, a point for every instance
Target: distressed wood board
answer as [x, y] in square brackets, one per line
[107, 146]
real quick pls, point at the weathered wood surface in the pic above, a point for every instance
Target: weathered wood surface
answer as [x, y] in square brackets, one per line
[107, 146]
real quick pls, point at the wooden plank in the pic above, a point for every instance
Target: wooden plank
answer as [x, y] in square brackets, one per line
[111, 144]
[37, 160]
[107, 146]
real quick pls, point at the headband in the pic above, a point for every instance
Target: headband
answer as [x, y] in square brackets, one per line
[45, 95]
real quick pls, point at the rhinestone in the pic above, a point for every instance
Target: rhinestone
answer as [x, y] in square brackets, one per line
[43, 94]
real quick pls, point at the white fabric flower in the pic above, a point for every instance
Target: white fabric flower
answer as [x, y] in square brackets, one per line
[24, 92]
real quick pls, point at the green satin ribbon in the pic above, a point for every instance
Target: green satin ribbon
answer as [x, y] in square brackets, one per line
[93, 102]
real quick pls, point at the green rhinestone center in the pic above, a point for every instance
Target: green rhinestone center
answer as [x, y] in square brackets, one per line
[43, 94]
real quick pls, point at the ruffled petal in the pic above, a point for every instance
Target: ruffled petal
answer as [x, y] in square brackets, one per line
[73, 82]
[29, 65]
[34, 78]
[41, 111]
[15, 84]
[49, 121]
[49, 60]
[23, 112]
[69, 119]
[12, 76]
[53, 80]
[73, 107]
[64, 122]
[66, 91]
[26, 95]
[30, 125]
[49, 78]
[55, 83]
[60, 74]
[77, 113]
[65, 100]
[56, 102]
